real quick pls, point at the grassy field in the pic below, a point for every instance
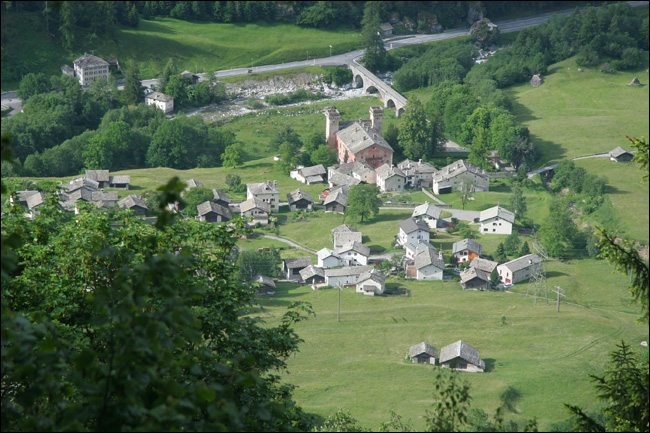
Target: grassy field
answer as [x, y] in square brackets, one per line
[193, 45]
[581, 113]
[358, 364]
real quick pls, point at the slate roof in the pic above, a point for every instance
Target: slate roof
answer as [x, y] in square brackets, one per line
[132, 201]
[483, 264]
[253, 203]
[81, 182]
[356, 138]
[268, 187]
[209, 206]
[338, 195]
[354, 246]
[456, 168]
[522, 262]
[297, 262]
[357, 167]
[35, 200]
[421, 348]
[410, 225]
[122, 179]
[311, 271]
[618, 151]
[467, 244]
[347, 270]
[497, 211]
[325, 253]
[427, 209]
[88, 60]
[316, 170]
[386, 171]
[337, 179]
[24, 195]
[460, 349]
[157, 96]
[427, 255]
[297, 195]
[193, 183]
[263, 279]
[471, 273]
[416, 167]
[221, 196]
[104, 196]
[373, 275]
[344, 228]
[98, 175]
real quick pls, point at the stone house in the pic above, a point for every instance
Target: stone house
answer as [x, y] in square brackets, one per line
[212, 212]
[309, 175]
[386, 30]
[313, 275]
[339, 179]
[411, 247]
[521, 269]
[477, 276]
[423, 354]
[102, 177]
[449, 178]
[257, 209]
[299, 200]
[135, 203]
[466, 250]
[496, 221]
[371, 283]
[390, 178]
[267, 192]
[619, 154]
[89, 68]
[412, 230]
[417, 174]
[354, 254]
[192, 183]
[266, 285]
[329, 259]
[163, 102]
[30, 200]
[291, 267]
[119, 182]
[360, 171]
[429, 263]
[359, 140]
[344, 234]
[345, 276]
[336, 200]
[428, 213]
[461, 356]
[221, 198]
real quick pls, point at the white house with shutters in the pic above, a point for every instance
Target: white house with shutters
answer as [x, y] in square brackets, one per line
[496, 221]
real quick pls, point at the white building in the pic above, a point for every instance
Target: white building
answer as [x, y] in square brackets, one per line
[346, 276]
[428, 213]
[267, 192]
[429, 263]
[163, 102]
[89, 68]
[329, 259]
[257, 209]
[344, 234]
[390, 178]
[496, 221]
[411, 230]
[418, 174]
[371, 283]
[354, 254]
[520, 269]
[309, 175]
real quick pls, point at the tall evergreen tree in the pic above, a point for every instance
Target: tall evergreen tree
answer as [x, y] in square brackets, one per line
[417, 137]
[133, 90]
[375, 56]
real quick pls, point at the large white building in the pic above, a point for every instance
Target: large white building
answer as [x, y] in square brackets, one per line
[89, 68]
[161, 101]
[520, 269]
[266, 192]
[496, 221]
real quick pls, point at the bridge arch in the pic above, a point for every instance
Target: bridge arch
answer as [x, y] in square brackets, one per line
[372, 89]
[358, 81]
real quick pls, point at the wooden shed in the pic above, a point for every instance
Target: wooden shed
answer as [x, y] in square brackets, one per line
[423, 354]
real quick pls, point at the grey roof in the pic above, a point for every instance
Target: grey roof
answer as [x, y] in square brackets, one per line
[343, 228]
[467, 244]
[297, 195]
[193, 183]
[386, 26]
[157, 96]
[618, 151]
[297, 262]
[209, 206]
[483, 264]
[338, 195]
[341, 238]
[416, 167]
[132, 201]
[268, 187]
[312, 271]
[98, 175]
[497, 211]
[357, 167]
[81, 182]
[428, 209]
[410, 225]
[374, 275]
[427, 255]
[456, 168]
[337, 179]
[325, 253]
[472, 272]
[316, 170]
[421, 348]
[522, 262]
[357, 137]
[221, 196]
[253, 203]
[263, 279]
[24, 195]
[460, 349]
[354, 246]
[35, 200]
[104, 196]
[88, 60]
[122, 179]
[386, 171]
[84, 194]
[347, 270]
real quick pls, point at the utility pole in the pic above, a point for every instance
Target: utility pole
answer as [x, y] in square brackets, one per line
[559, 293]
[338, 311]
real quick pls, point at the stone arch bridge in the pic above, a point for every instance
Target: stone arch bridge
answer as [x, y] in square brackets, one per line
[363, 78]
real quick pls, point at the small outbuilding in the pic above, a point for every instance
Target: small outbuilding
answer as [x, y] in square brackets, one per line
[461, 356]
[292, 267]
[619, 154]
[266, 285]
[423, 354]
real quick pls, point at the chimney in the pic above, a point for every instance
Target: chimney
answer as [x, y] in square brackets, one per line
[376, 118]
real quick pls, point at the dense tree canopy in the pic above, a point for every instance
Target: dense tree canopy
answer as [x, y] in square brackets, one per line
[363, 201]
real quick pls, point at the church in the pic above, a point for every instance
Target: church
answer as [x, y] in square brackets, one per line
[360, 140]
